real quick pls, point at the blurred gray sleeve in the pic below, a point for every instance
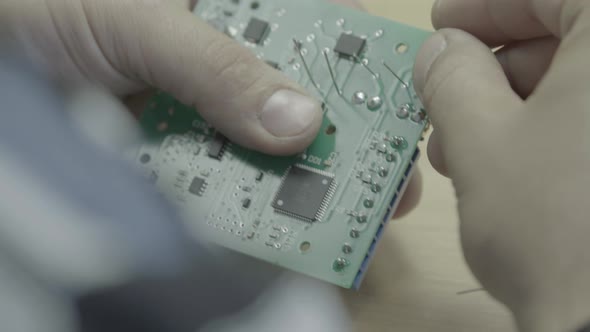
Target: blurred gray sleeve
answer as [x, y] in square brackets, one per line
[86, 244]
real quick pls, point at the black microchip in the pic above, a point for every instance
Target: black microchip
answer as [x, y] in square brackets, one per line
[216, 146]
[304, 194]
[197, 186]
[246, 203]
[256, 31]
[350, 46]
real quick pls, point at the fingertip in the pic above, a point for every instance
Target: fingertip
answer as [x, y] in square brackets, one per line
[289, 114]
[452, 68]
[411, 196]
[435, 155]
[435, 14]
[446, 13]
[291, 123]
[287, 124]
[427, 55]
[466, 95]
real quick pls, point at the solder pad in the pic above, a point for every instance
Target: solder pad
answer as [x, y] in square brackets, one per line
[321, 212]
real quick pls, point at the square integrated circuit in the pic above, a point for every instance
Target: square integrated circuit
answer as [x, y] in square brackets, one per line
[256, 31]
[304, 193]
[350, 46]
[197, 186]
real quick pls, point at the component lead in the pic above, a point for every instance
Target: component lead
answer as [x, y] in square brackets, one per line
[404, 84]
[365, 64]
[332, 72]
[299, 51]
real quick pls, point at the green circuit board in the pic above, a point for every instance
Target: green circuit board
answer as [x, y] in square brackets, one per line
[322, 212]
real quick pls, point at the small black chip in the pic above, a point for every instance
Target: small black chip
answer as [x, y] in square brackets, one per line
[304, 194]
[197, 186]
[256, 31]
[350, 46]
[216, 146]
[246, 203]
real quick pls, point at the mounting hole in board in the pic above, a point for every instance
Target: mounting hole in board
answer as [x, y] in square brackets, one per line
[401, 48]
[255, 5]
[304, 247]
[331, 130]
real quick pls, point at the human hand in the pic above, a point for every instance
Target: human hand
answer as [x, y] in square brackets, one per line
[129, 45]
[511, 131]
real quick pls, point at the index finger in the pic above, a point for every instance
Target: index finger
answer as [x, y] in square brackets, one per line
[498, 22]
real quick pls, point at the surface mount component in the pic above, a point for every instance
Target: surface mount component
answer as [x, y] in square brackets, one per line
[197, 186]
[216, 146]
[304, 193]
[350, 46]
[256, 31]
[321, 212]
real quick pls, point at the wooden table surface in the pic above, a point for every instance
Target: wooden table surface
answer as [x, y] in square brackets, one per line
[413, 281]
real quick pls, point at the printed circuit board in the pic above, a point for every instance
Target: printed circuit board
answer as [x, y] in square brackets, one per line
[321, 212]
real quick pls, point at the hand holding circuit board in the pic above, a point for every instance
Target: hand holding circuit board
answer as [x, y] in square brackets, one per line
[258, 107]
[533, 171]
[322, 211]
